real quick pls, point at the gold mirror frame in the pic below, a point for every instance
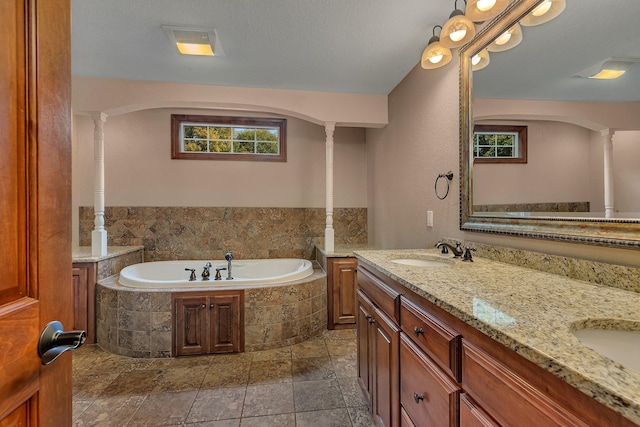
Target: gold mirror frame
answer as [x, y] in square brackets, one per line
[623, 233]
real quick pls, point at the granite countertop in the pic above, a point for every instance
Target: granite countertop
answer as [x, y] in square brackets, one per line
[343, 250]
[83, 253]
[531, 312]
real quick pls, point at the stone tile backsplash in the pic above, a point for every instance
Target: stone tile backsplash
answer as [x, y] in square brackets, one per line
[169, 233]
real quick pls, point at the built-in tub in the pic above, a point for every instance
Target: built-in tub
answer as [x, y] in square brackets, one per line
[136, 320]
[246, 273]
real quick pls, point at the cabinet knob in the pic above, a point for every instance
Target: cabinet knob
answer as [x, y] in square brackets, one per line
[203, 306]
[418, 331]
[212, 306]
[418, 397]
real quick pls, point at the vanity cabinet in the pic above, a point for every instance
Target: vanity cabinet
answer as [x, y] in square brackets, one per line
[341, 292]
[208, 322]
[378, 349]
[451, 374]
[83, 282]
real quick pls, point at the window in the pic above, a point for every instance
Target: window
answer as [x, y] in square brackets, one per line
[228, 138]
[499, 144]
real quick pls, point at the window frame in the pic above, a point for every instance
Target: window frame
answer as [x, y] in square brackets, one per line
[522, 143]
[176, 138]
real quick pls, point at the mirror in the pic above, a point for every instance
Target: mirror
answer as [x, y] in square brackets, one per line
[560, 197]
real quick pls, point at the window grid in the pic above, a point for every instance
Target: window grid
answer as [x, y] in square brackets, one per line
[196, 138]
[495, 145]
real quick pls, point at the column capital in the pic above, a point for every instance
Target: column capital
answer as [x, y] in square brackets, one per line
[99, 115]
[608, 132]
[329, 127]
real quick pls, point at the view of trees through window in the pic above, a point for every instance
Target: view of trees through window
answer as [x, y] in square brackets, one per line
[228, 138]
[495, 144]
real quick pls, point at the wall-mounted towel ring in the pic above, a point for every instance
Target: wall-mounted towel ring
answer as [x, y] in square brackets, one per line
[449, 176]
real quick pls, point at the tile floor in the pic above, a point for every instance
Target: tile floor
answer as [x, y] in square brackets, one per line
[311, 384]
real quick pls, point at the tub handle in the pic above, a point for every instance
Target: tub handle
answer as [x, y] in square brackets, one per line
[218, 276]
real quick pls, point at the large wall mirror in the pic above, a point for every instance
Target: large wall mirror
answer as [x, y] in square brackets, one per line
[580, 181]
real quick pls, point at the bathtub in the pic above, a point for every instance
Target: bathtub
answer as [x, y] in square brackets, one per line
[246, 274]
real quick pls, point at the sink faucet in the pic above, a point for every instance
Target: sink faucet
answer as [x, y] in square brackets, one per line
[229, 257]
[457, 251]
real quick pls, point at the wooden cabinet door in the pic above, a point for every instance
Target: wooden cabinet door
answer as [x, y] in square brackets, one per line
[472, 416]
[35, 208]
[342, 292]
[190, 326]
[385, 396]
[365, 355]
[84, 299]
[225, 324]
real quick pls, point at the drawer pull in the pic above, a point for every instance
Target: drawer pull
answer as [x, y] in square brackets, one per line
[370, 319]
[418, 397]
[418, 331]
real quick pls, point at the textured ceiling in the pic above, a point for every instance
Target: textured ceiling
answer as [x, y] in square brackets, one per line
[355, 46]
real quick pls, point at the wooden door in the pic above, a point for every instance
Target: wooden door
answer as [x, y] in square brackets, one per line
[342, 292]
[365, 356]
[190, 325]
[35, 208]
[226, 322]
[386, 388]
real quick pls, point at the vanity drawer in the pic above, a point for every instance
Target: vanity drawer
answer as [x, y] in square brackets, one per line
[383, 296]
[434, 337]
[428, 396]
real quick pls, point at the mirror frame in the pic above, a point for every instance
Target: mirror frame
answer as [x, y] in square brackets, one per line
[621, 233]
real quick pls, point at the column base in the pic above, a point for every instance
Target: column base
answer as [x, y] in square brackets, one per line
[329, 240]
[99, 243]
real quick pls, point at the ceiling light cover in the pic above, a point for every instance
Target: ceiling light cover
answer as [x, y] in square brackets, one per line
[435, 55]
[195, 41]
[480, 60]
[507, 40]
[458, 30]
[544, 12]
[610, 68]
[484, 10]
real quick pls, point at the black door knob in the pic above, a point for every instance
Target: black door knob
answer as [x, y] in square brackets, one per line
[54, 341]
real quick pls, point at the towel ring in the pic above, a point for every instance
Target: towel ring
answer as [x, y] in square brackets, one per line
[449, 177]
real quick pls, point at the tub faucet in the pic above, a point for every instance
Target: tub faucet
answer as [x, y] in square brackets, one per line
[206, 273]
[457, 251]
[192, 276]
[229, 257]
[218, 276]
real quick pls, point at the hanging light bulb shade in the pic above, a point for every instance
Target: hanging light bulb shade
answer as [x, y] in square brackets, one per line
[544, 12]
[458, 30]
[484, 10]
[507, 40]
[480, 60]
[435, 54]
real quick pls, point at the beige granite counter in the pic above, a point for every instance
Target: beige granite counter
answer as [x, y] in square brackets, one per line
[83, 253]
[343, 250]
[531, 312]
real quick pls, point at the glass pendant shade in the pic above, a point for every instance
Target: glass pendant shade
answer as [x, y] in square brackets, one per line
[544, 12]
[457, 31]
[435, 55]
[507, 40]
[484, 10]
[480, 60]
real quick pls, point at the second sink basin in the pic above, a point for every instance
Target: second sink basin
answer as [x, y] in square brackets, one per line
[421, 262]
[618, 345]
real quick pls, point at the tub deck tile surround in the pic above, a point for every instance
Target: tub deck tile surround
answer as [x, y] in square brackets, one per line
[173, 233]
[532, 312]
[116, 259]
[137, 322]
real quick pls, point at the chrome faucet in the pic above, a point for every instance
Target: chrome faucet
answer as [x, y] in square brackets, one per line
[229, 257]
[207, 271]
[457, 251]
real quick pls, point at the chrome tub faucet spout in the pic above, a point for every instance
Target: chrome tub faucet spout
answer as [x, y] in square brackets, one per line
[206, 273]
[229, 257]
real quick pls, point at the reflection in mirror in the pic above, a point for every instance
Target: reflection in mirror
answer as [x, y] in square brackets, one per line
[580, 182]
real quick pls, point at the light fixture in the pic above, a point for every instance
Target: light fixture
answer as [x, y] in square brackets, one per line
[544, 12]
[458, 30]
[609, 69]
[484, 10]
[195, 41]
[435, 55]
[507, 40]
[480, 60]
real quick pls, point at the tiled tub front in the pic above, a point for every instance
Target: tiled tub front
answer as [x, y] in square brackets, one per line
[137, 322]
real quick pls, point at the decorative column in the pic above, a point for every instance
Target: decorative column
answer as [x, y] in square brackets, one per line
[607, 135]
[329, 237]
[99, 234]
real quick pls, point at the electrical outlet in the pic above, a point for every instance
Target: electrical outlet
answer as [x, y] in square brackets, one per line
[429, 218]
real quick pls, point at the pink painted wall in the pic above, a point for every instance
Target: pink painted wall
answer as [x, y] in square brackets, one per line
[139, 170]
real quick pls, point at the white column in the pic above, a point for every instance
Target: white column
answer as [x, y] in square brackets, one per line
[607, 135]
[99, 234]
[329, 237]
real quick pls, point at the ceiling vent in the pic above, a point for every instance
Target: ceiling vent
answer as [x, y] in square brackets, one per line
[195, 41]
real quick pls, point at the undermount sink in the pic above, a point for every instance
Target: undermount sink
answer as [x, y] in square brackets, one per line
[621, 346]
[421, 262]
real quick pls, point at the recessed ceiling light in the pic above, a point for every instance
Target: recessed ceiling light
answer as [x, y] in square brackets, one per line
[610, 68]
[195, 41]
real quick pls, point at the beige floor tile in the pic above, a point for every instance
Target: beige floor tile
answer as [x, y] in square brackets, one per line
[180, 379]
[132, 382]
[217, 404]
[314, 347]
[317, 395]
[268, 399]
[281, 420]
[109, 411]
[223, 376]
[326, 418]
[164, 409]
[316, 368]
[270, 371]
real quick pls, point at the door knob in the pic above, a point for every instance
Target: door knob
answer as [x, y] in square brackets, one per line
[54, 341]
